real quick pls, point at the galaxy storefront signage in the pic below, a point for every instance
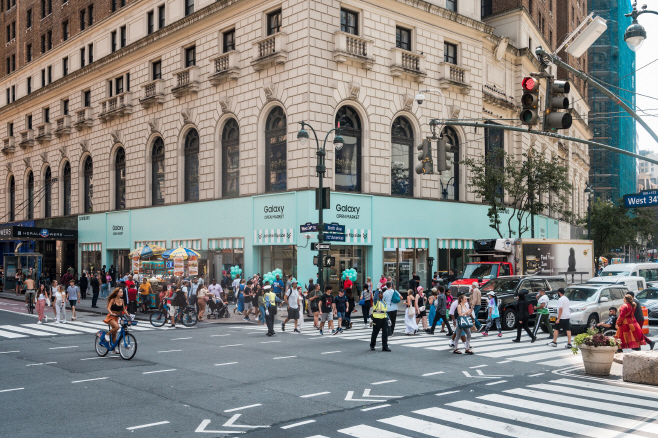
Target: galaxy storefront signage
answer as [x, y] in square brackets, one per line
[274, 219]
[354, 212]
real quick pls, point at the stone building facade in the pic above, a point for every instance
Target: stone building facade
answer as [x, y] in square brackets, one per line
[205, 105]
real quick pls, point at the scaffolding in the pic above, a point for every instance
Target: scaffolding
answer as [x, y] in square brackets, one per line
[612, 175]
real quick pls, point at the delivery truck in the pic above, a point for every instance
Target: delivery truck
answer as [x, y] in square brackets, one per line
[493, 258]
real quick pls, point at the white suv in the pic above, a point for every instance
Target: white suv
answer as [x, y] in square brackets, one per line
[589, 303]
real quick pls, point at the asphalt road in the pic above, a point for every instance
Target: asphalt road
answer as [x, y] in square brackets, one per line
[235, 381]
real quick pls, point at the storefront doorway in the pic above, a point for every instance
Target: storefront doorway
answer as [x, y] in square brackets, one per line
[121, 261]
[347, 257]
[403, 257]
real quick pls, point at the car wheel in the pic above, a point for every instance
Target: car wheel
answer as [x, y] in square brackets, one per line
[592, 321]
[509, 319]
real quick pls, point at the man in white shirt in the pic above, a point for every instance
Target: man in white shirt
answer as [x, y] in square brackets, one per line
[562, 323]
[543, 315]
[293, 298]
[236, 287]
[215, 289]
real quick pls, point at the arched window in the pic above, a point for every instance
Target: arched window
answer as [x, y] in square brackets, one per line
[12, 199]
[89, 186]
[402, 144]
[120, 180]
[47, 193]
[192, 166]
[67, 189]
[276, 151]
[348, 158]
[231, 159]
[450, 178]
[157, 172]
[30, 196]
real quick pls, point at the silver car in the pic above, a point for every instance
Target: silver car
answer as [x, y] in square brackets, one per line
[589, 303]
[649, 299]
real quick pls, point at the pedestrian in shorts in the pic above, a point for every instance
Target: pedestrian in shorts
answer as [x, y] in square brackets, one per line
[340, 308]
[293, 297]
[248, 301]
[543, 318]
[326, 309]
[563, 316]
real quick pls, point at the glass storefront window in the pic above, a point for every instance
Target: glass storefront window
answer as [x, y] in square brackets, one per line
[347, 257]
[282, 257]
[400, 264]
[421, 266]
[91, 260]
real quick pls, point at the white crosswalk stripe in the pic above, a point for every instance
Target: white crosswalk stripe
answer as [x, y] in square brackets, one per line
[523, 412]
[15, 331]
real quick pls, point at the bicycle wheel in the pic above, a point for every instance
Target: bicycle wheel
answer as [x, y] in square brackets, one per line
[189, 317]
[159, 318]
[100, 350]
[128, 346]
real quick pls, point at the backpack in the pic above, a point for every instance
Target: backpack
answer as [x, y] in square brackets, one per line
[179, 299]
[396, 297]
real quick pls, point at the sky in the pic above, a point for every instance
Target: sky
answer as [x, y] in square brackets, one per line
[646, 82]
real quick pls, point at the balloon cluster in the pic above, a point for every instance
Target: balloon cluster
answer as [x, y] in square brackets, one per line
[271, 276]
[235, 271]
[349, 273]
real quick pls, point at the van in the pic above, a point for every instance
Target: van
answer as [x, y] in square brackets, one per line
[635, 284]
[649, 271]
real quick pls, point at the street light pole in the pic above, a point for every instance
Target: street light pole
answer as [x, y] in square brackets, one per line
[320, 169]
[589, 190]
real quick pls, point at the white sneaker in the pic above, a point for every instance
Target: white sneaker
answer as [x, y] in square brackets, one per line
[56, 321]
[45, 319]
[39, 322]
[64, 322]
[107, 338]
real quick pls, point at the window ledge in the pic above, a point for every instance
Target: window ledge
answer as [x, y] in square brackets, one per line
[225, 67]
[83, 119]
[153, 93]
[116, 106]
[405, 63]
[187, 81]
[452, 75]
[353, 47]
[43, 133]
[270, 50]
[27, 138]
[63, 126]
[8, 146]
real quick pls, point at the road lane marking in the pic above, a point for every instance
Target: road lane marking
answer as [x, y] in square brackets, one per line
[90, 380]
[446, 393]
[363, 431]
[59, 348]
[382, 382]
[216, 336]
[230, 345]
[8, 390]
[331, 352]
[374, 407]
[71, 328]
[315, 395]
[479, 366]
[283, 357]
[101, 357]
[159, 371]
[505, 361]
[535, 375]
[227, 363]
[496, 383]
[178, 339]
[290, 426]
[7, 352]
[147, 425]
[169, 351]
[433, 374]
[243, 407]
[426, 427]
[25, 330]
[268, 342]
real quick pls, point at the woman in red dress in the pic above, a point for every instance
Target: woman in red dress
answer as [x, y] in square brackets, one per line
[628, 330]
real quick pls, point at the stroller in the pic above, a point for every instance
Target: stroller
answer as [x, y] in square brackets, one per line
[217, 310]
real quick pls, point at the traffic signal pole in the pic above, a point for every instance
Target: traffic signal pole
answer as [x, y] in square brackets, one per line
[456, 122]
[588, 79]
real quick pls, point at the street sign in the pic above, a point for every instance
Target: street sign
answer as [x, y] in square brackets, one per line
[308, 227]
[334, 237]
[44, 233]
[320, 246]
[646, 198]
[334, 228]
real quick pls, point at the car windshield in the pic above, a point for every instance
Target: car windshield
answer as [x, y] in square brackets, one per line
[614, 273]
[648, 294]
[580, 293]
[500, 285]
[475, 270]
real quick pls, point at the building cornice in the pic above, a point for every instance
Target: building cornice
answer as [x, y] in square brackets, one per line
[108, 59]
[449, 15]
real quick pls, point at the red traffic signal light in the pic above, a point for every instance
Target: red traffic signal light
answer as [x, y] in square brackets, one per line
[530, 84]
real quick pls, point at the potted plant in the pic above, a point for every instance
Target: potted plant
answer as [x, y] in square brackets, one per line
[598, 351]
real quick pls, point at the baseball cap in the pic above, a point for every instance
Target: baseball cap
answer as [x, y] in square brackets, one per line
[267, 286]
[491, 293]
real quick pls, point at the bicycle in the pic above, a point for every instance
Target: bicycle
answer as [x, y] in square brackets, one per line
[187, 316]
[30, 306]
[127, 348]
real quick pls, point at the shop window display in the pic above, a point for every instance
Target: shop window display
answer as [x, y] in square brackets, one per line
[282, 257]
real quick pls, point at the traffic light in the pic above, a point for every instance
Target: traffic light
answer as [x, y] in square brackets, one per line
[530, 101]
[444, 155]
[425, 162]
[557, 101]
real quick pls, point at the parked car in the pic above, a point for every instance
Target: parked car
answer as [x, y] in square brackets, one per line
[633, 283]
[649, 271]
[649, 299]
[506, 288]
[589, 303]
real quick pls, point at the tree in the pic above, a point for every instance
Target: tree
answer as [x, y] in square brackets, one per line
[512, 188]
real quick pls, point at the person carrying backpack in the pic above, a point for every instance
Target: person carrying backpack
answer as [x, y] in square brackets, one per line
[391, 298]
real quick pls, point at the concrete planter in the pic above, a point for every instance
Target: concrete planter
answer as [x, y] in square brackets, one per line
[598, 360]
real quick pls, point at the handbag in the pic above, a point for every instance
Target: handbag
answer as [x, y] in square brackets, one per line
[421, 309]
[396, 297]
[464, 322]
[362, 301]
[412, 311]
[531, 309]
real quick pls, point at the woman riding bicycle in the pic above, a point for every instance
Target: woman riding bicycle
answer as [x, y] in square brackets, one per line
[115, 307]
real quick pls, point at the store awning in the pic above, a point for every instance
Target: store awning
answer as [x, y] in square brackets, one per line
[91, 246]
[162, 243]
[226, 243]
[392, 243]
[274, 237]
[455, 244]
[191, 243]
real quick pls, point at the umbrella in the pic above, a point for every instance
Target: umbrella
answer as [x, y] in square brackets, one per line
[179, 252]
[148, 251]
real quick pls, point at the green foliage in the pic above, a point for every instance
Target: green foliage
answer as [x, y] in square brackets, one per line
[511, 188]
[593, 338]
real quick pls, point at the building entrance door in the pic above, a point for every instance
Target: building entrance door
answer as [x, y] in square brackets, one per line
[347, 257]
[121, 261]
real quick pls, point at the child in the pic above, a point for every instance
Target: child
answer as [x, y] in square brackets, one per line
[494, 315]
